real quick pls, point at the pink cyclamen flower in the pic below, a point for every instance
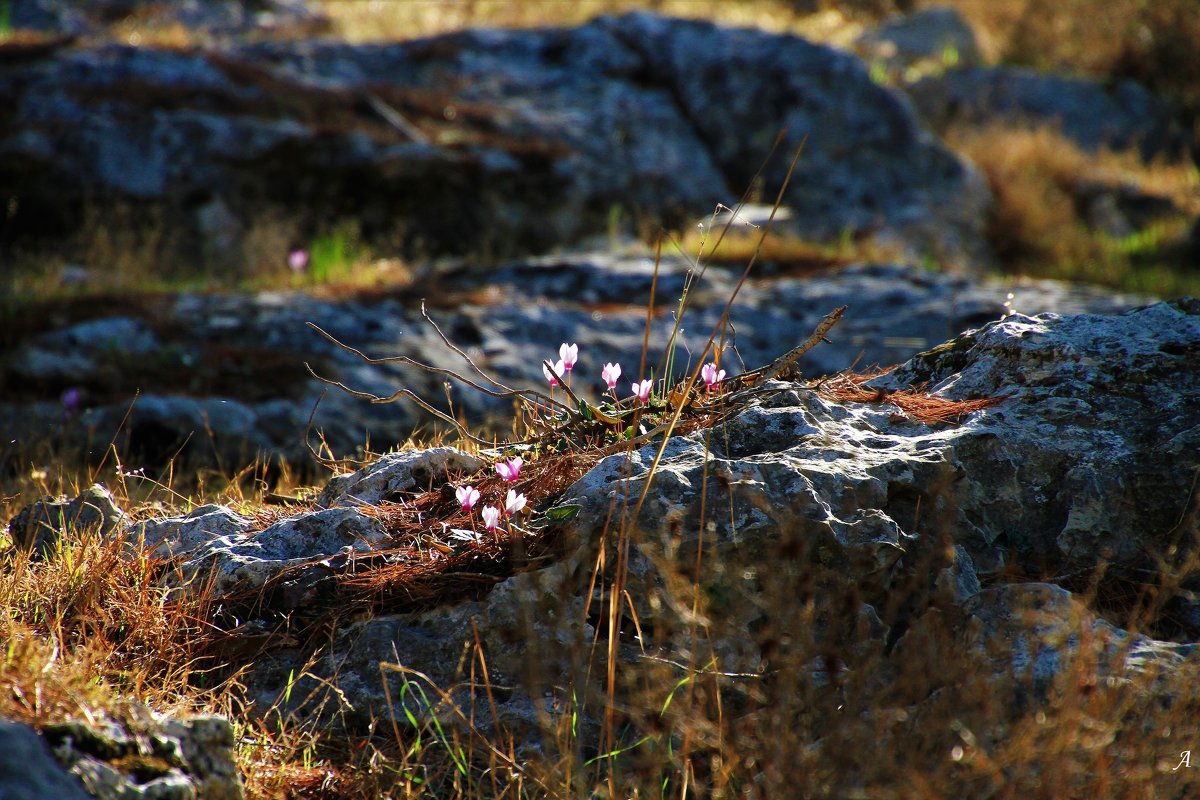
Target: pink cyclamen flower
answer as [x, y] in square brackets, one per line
[510, 470]
[569, 353]
[298, 260]
[513, 502]
[467, 496]
[611, 374]
[642, 390]
[558, 367]
[711, 375]
[491, 517]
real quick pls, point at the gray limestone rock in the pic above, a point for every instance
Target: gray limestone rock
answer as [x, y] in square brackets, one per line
[28, 771]
[867, 164]
[1090, 458]
[397, 473]
[224, 551]
[239, 18]
[512, 140]
[531, 640]
[937, 36]
[69, 354]
[845, 533]
[260, 344]
[41, 526]
[172, 537]
[1038, 637]
[149, 756]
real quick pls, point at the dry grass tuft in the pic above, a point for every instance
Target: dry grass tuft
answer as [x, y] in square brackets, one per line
[916, 405]
[1040, 223]
[89, 626]
[392, 20]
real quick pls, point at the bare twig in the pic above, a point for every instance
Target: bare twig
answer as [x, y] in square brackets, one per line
[781, 365]
[563, 383]
[396, 119]
[506, 392]
[446, 341]
[328, 463]
[411, 395]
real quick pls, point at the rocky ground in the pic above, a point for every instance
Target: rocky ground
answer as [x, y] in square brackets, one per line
[1005, 530]
[233, 366]
[938, 559]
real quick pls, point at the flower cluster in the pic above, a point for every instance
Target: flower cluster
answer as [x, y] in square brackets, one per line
[514, 501]
[510, 469]
[568, 356]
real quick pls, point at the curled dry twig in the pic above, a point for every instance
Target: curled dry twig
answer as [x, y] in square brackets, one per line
[501, 390]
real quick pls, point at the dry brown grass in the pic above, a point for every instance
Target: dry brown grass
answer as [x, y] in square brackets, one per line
[376, 20]
[1039, 228]
[90, 630]
[780, 253]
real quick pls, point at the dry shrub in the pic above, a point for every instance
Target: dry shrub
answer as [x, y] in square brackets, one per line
[1039, 223]
[1031, 173]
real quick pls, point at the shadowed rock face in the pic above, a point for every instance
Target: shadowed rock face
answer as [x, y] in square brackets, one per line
[489, 140]
[142, 756]
[1093, 457]
[29, 772]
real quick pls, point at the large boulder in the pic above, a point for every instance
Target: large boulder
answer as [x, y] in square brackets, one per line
[1091, 460]
[486, 139]
[823, 546]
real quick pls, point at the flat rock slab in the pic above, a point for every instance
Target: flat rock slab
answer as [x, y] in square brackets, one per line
[214, 548]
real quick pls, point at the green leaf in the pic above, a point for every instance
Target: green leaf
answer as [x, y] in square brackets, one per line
[563, 513]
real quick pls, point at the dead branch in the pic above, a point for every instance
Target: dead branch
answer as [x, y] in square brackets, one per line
[782, 364]
[411, 395]
[446, 341]
[504, 393]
